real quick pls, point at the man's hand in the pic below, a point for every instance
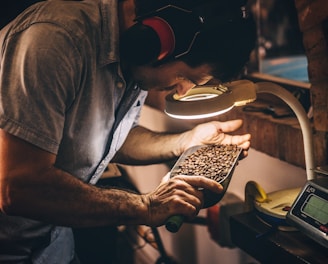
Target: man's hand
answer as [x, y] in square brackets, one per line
[179, 195]
[215, 133]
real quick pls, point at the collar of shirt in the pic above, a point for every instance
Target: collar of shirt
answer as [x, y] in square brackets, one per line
[109, 50]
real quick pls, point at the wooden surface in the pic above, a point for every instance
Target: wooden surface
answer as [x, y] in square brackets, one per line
[268, 245]
[278, 137]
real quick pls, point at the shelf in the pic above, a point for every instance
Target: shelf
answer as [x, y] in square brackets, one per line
[269, 245]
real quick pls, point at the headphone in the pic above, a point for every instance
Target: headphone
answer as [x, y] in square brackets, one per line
[166, 33]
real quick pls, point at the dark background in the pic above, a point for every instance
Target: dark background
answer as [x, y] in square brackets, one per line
[12, 8]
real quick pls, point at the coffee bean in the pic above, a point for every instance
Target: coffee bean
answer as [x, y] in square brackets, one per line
[212, 161]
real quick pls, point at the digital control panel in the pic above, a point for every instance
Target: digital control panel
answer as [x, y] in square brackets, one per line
[309, 212]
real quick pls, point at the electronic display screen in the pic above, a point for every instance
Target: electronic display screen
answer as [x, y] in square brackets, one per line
[316, 208]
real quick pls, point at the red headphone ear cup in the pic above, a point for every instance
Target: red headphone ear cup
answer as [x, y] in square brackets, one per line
[148, 41]
[140, 45]
[168, 34]
[165, 34]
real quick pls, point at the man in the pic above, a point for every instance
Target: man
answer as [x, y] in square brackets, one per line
[70, 101]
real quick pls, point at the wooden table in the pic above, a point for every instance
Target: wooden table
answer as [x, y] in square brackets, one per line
[269, 245]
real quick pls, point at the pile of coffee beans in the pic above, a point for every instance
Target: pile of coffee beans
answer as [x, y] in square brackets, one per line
[213, 161]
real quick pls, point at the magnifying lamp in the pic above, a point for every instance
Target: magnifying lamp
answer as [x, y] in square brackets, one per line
[208, 101]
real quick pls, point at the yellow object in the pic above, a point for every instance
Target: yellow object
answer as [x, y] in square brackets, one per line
[279, 203]
[254, 192]
[271, 208]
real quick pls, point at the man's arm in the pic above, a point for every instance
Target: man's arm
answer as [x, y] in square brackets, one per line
[144, 146]
[30, 186]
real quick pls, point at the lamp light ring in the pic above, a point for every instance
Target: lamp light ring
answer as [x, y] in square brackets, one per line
[187, 107]
[210, 100]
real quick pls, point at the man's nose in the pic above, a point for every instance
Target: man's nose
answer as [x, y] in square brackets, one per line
[183, 87]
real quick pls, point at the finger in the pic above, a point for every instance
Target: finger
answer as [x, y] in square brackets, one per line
[242, 141]
[202, 182]
[184, 198]
[229, 126]
[166, 177]
[188, 207]
[188, 201]
[243, 155]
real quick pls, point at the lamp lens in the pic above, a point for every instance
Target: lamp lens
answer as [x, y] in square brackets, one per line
[198, 97]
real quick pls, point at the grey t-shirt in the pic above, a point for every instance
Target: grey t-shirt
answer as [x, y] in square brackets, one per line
[60, 86]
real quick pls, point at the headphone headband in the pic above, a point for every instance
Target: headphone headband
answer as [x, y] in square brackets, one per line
[183, 24]
[171, 31]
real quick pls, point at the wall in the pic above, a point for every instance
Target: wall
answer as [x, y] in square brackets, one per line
[313, 22]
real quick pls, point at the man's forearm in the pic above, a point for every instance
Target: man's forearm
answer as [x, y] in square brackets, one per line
[59, 198]
[144, 146]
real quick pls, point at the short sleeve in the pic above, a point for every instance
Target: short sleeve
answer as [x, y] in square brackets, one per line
[40, 74]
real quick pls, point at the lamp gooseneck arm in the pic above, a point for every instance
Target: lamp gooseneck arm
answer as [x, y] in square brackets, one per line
[294, 104]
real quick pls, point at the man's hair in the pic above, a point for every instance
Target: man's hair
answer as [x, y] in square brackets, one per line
[226, 39]
[226, 48]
